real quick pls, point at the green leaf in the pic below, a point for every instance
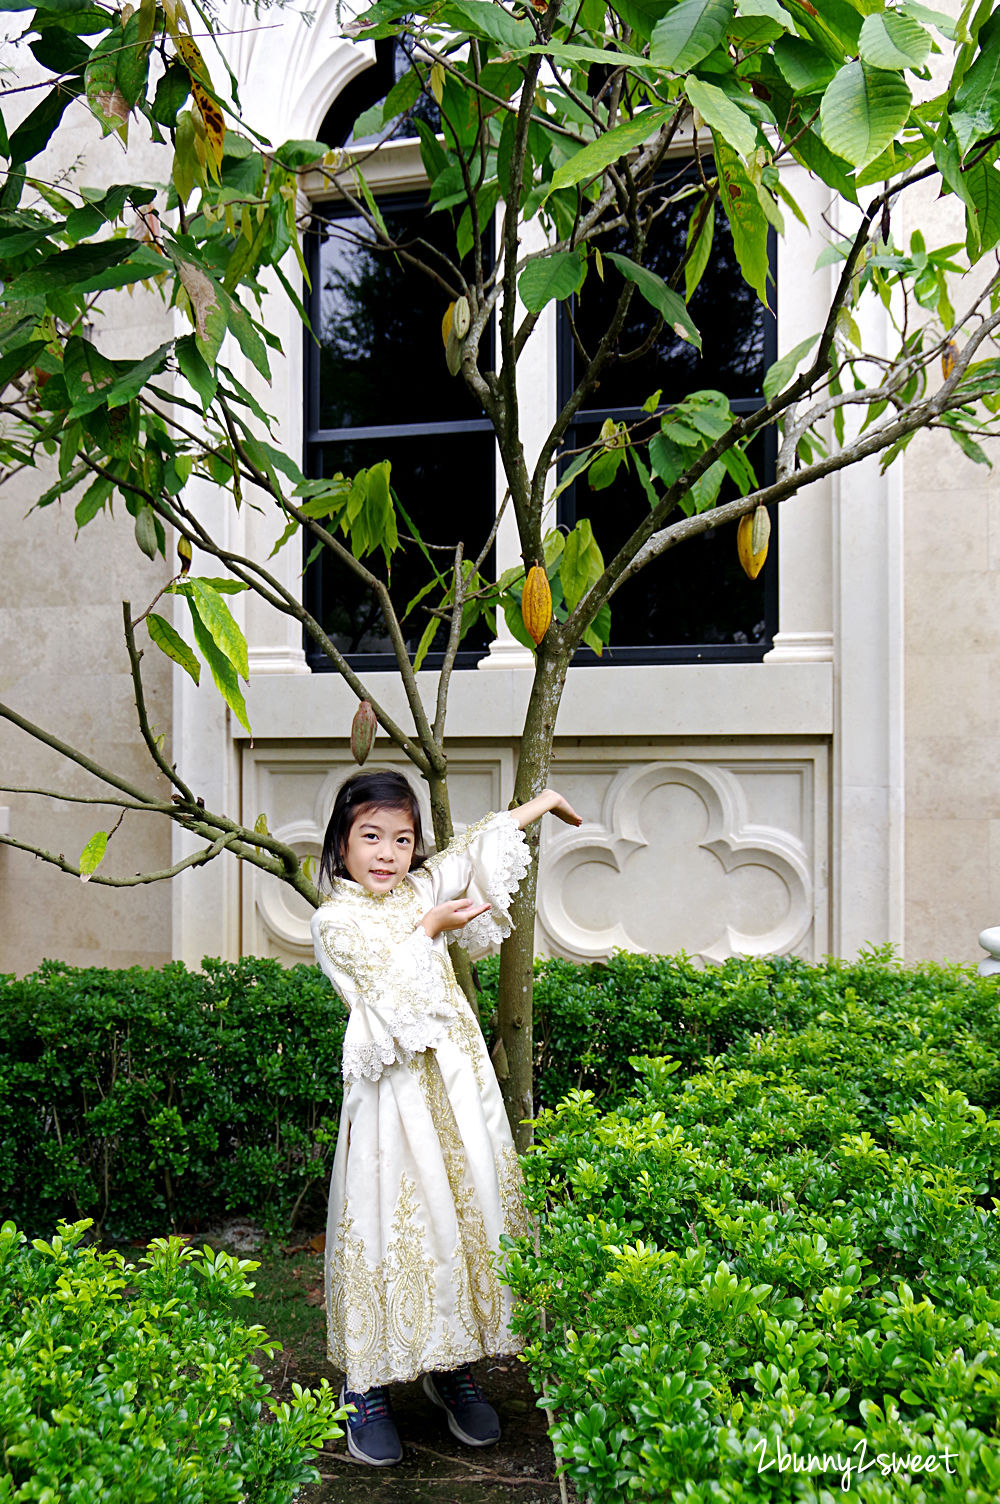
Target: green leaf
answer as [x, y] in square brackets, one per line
[890, 40]
[133, 60]
[702, 223]
[92, 501]
[89, 375]
[172, 643]
[92, 855]
[862, 111]
[746, 218]
[515, 622]
[689, 32]
[598, 634]
[171, 94]
[130, 382]
[976, 110]
[247, 337]
[207, 605]
[209, 305]
[659, 296]
[810, 150]
[782, 370]
[142, 263]
[705, 490]
[15, 362]
[37, 128]
[221, 668]
[805, 67]
[194, 370]
[491, 22]
[427, 637]
[69, 267]
[559, 275]
[593, 158]
[582, 563]
[723, 115]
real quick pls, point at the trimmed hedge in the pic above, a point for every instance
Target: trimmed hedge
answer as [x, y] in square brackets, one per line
[156, 1099]
[167, 1098]
[776, 1275]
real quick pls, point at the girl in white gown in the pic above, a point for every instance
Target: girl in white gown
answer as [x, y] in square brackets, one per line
[425, 1177]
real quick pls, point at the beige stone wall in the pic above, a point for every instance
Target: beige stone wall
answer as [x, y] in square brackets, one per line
[952, 678]
[63, 665]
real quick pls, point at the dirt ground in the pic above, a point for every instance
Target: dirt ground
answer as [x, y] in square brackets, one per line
[436, 1469]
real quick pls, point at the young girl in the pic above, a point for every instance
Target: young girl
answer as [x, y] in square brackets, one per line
[425, 1178]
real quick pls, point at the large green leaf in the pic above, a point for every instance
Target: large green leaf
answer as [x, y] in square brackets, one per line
[89, 375]
[581, 564]
[92, 855]
[862, 111]
[689, 32]
[195, 371]
[723, 115]
[889, 40]
[67, 268]
[221, 668]
[208, 606]
[596, 155]
[172, 643]
[556, 276]
[805, 67]
[746, 218]
[659, 296]
[976, 110]
[37, 128]
[783, 369]
[130, 381]
[492, 22]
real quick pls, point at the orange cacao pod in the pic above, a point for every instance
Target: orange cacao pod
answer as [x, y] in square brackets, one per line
[362, 731]
[536, 603]
[753, 528]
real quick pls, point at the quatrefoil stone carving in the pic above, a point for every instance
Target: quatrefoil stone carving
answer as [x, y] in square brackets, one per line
[675, 864]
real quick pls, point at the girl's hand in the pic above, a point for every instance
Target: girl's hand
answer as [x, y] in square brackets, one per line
[563, 810]
[453, 915]
[548, 801]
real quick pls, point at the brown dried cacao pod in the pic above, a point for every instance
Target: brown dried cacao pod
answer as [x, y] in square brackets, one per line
[536, 603]
[363, 729]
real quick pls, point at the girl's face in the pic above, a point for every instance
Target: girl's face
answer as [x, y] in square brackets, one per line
[380, 848]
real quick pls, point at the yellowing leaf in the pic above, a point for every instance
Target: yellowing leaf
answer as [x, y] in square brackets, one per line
[92, 855]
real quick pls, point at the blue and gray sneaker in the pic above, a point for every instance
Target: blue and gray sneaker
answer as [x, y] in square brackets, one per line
[371, 1431]
[470, 1417]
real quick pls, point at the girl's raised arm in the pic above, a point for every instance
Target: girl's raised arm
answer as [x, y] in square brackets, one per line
[545, 803]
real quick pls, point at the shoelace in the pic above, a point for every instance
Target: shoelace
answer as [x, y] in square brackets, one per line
[460, 1387]
[373, 1405]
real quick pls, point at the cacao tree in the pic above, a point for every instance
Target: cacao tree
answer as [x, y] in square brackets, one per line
[550, 136]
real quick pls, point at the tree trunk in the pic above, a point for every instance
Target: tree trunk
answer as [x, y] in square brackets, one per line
[443, 832]
[513, 1053]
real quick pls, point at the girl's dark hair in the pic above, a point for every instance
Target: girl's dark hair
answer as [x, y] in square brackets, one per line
[387, 790]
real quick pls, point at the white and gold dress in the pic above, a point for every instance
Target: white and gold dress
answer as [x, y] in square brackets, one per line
[425, 1176]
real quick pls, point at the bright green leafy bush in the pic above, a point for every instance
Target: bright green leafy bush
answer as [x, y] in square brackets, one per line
[163, 1098]
[791, 1249]
[590, 1019]
[133, 1384]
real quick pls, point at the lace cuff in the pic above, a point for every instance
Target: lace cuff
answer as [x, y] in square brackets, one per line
[508, 865]
[407, 1015]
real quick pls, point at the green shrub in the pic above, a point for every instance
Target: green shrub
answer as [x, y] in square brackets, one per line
[163, 1098]
[590, 1019]
[125, 1384]
[793, 1251]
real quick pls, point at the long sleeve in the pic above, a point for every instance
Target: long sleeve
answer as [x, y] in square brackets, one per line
[393, 983]
[486, 863]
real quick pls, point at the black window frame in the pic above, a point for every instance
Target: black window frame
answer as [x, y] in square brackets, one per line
[316, 439]
[708, 652]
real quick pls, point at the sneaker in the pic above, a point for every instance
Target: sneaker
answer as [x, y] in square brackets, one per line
[371, 1431]
[470, 1418]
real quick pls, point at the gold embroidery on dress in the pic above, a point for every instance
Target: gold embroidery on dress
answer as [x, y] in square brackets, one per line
[457, 843]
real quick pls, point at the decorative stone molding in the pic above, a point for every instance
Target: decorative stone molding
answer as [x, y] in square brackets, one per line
[990, 941]
[629, 832]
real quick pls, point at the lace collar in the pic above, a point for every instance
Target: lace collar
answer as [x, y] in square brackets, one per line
[346, 887]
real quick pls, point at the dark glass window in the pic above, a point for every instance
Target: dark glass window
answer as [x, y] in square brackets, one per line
[695, 602]
[377, 387]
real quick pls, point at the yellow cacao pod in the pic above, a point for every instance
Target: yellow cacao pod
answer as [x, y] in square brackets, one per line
[536, 603]
[446, 324]
[749, 531]
[362, 731]
[948, 355]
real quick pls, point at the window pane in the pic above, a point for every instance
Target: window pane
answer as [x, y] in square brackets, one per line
[443, 484]
[381, 359]
[696, 593]
[727, 312]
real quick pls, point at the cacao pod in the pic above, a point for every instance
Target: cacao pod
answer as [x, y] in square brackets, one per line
[948, 358]
[446, 323]
[536, 603]
[749, 531]
[462, 317]
[362, 731]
